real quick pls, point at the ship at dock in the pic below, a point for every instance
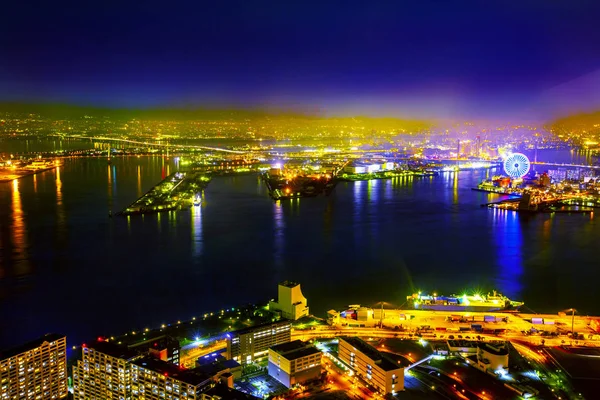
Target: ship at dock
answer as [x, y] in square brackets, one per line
[490, 302]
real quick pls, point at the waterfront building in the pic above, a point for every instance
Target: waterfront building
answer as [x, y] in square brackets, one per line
[291, 303]
[294, 362]
[35, 370]
[371, 365]
[103, 372]
[246, 345]
[490, 358]
[153, 379]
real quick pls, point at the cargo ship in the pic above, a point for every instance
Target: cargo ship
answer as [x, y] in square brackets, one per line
[477, 302]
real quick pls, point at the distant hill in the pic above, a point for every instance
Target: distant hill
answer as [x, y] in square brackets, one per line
[586, 121]
[74, 111]
[67, 111]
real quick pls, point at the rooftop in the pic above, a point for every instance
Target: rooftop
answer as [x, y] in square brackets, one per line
[261, 326]
[223, 392]
[51, 337]
[294, 350]
[112, 349]
[499, 351]
[213, 368]
[378, 357]
[289, 284]
[462, 343]
[191, 377]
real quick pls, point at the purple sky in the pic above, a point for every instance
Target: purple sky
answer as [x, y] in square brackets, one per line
[493, 58]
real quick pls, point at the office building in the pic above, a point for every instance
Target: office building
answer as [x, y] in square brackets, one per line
[153, 379]
[371, 365]
[291, 303]
[35, 370]
[103, 372]
[246, 345]
[294, 362]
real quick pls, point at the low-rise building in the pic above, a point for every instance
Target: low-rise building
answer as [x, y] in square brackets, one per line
[219, 366]
[222, 392]
[294, 362]
[246, 345]
[462, 347]
[490, 358]
[163, 347]
[371, 365]
[35, 370]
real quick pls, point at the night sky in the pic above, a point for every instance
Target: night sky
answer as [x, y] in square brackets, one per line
[445, 58]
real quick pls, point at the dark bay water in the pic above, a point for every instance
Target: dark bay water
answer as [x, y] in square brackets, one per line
[65, 266]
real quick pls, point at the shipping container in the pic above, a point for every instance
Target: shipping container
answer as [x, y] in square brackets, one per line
[489, 318]
[548, 321]
[537, 321]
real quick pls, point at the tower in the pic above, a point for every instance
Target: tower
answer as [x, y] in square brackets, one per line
[290, 301]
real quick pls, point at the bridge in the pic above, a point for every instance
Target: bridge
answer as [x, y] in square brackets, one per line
[565, 165]
[188, 146]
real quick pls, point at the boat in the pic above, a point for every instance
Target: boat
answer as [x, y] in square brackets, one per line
[477, 302]
[197, 201]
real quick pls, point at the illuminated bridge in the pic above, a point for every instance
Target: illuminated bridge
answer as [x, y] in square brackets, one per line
[187, 146]
[565, 165]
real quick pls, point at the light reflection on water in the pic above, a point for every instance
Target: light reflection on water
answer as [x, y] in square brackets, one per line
[20, 256]
[509, 246]
[278, 233]
[364, 243]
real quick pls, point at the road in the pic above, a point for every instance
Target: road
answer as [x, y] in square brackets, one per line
[190, 353]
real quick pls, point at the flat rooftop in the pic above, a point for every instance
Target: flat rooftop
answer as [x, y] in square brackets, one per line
[289, 284]
[13, 351]
[294, 350]
[112, 349]
[191, 377]
[499, 351]
[371, 352]
[462, 343]
[261, 326]
[226, 393]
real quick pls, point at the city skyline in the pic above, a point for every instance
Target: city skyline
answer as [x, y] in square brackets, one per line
[534, 60]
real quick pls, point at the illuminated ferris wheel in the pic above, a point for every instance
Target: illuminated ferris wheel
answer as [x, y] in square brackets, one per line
[517, 165]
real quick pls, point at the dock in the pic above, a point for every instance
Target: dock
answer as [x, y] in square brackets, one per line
[177, 191]
[281, 188]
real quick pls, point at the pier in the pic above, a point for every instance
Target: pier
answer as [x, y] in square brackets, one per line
[177, 191]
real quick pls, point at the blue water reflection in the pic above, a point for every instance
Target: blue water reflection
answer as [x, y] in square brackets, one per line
[508, 238]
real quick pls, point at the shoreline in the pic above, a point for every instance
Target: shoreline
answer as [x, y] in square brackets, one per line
[20, 173]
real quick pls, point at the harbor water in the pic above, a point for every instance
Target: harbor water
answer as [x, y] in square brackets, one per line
[65, 266]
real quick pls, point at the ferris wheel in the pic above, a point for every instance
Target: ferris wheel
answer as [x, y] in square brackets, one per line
[517, 165]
